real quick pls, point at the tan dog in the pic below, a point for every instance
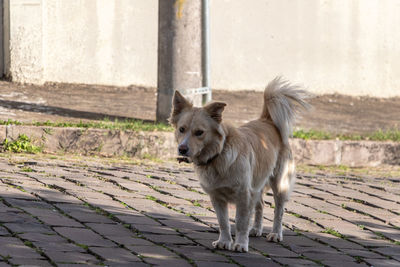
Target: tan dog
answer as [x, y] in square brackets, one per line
[236, 165]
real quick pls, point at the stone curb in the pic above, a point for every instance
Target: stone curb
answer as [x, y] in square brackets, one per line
[162, 145]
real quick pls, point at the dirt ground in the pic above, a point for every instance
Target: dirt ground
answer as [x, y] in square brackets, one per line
[76, 102]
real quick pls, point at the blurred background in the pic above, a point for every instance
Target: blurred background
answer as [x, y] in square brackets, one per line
[330, 46]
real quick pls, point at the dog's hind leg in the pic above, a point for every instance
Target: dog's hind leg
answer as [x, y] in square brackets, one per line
[258, 217]
[282, 184]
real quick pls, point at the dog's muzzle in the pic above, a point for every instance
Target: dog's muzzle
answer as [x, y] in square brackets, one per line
[183, 150]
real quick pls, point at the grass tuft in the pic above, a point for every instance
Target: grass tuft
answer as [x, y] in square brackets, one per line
[151, 198]
[333, 232]
[389, 135]
[312, 135]
[132, 124]
[27, 169]
[22, 144]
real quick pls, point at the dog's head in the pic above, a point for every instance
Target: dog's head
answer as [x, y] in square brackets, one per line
[198, 131]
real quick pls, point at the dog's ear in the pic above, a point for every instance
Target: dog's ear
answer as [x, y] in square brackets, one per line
[179, 103]
[215, 110]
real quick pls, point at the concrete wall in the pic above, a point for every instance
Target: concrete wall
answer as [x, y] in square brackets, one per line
[344, 46]
[84, 41]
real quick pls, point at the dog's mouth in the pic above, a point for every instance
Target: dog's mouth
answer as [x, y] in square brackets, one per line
[184, 159]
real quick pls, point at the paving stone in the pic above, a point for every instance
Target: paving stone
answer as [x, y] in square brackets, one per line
[335, 263]
[363, 253]
[84, 236]
[168, 262]
[3, 231]
[53, 217]
[58, 246]
[214, 264]
[369, 242]
[30, 262]
[153, 251]
[137, 219]
[116, 255]
[169, 239]
[186, 225]
[203, 235]
[29, 227]
[199, 253]
[393, 250]
[23, 203]
[15, 217]
[57, 196]
[252, 259]
[4, 208]
[317, 254]
[8, 192]
[382, 262]
[295, 262]
[72, 265]
[130, 264]
[271, 248]
[72, 257]
[131, 241]
[155, 229]
[40, 237]
[15, 248]
[110, 229]
[333, 240]
[299, 240]
[83, 213]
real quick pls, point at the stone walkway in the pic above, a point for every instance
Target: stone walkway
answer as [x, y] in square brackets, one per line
[55, 213]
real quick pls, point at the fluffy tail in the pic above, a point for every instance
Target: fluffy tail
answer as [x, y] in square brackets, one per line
[282, 102]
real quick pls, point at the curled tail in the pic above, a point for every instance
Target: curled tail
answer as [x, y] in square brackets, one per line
[282, 102]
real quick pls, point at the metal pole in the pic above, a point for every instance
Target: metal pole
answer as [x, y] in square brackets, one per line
[179, 53]
[206, 49]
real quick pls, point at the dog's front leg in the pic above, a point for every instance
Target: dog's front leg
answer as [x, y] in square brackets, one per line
[221, 208]
[243, 214]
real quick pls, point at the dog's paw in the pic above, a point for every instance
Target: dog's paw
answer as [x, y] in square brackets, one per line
[274, 237]
[255, 232]
[240, 247]
[222, 244]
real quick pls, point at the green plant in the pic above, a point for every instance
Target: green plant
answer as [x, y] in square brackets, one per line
[380, 135]
[27, 169]
[29, 244]
[311, 134]
[196, 203]
[21, 144]
[333, 232]
[10, 122]
[151, 198]
[134, 125]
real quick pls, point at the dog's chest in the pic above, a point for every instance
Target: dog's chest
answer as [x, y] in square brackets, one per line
[212, 181]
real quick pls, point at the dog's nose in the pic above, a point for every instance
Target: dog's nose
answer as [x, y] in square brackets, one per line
[183, 150]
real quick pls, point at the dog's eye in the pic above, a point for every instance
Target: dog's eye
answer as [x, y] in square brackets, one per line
[182, 129]
[198, 133]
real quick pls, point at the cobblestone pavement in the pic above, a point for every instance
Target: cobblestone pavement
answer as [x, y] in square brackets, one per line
[55, 213]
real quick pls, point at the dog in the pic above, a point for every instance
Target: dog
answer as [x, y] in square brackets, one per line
[238, 165]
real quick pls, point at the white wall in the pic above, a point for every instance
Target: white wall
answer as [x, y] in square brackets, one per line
[344, 46]
[23, 47]
[84, 41]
